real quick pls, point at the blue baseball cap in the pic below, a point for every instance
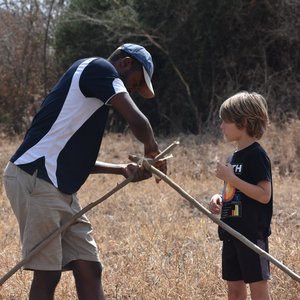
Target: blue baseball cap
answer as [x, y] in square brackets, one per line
[144, 58]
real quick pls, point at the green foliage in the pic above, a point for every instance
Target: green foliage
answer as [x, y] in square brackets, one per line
[222, 47]
[76, 39]
[203, 51]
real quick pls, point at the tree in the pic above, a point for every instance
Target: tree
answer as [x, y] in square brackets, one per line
[204, 51]
[26, 62]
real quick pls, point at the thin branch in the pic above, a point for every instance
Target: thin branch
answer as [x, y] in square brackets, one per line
[54, 234]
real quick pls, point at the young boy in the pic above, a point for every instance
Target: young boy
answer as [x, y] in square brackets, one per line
[246, 203]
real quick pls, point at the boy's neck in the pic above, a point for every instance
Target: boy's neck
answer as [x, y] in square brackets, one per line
[245, 142]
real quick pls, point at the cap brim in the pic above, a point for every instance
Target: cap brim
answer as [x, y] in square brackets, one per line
[146, 91]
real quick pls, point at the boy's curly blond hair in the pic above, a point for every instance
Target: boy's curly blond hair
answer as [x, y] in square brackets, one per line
[246, 110]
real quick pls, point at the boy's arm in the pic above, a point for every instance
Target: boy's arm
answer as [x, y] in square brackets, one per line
[260, 192]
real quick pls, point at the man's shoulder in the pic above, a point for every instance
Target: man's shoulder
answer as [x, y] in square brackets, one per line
[101, 65]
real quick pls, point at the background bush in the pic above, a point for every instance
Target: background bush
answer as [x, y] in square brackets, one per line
[204, 51]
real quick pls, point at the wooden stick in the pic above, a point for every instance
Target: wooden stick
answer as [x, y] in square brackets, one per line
[215, 219]
[160, 156]
[55, 233]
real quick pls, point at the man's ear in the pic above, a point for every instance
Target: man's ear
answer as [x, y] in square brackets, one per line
[125, 63]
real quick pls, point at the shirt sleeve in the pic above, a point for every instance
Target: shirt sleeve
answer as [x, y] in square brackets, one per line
[262, 166]
[101, 80]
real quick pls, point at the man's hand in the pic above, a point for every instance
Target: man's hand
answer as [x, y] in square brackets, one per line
[161, 165]
[139, 173]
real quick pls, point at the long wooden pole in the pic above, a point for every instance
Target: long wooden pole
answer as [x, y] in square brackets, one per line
[58, 231]
[215, 219]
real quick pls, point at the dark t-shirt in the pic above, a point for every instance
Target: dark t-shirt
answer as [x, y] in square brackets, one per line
[248, 216]
[64, 139]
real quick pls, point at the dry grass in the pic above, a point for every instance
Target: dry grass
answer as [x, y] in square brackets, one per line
[153, 243]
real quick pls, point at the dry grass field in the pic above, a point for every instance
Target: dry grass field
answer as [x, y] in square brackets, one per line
[153, 243]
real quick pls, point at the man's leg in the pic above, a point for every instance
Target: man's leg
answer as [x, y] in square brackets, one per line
[44, 284]
[87, 276]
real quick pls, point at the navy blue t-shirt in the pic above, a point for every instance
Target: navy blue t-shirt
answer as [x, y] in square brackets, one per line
[64, 139]
[248, 216]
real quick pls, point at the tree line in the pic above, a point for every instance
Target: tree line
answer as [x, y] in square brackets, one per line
[203, 51]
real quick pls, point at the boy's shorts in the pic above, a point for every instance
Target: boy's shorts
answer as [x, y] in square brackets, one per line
[41, 209]
[239, 262]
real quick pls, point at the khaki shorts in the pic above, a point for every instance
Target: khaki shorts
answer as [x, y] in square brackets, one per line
[41, 209]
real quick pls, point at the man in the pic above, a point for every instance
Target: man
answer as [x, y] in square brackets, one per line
[59, 152]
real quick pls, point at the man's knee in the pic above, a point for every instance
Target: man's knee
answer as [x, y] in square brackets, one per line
[87, 269]
[46, 280]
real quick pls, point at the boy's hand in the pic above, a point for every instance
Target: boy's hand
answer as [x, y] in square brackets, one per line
[224, 172]
[215, 204]
[139, 173]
